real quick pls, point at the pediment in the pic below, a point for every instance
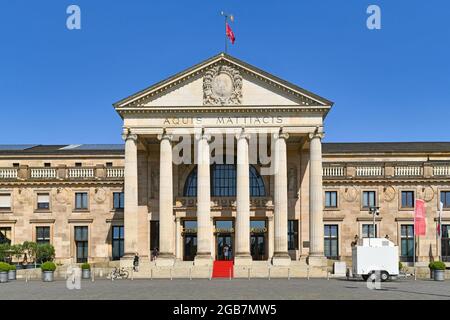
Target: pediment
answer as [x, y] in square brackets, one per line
[222, 81]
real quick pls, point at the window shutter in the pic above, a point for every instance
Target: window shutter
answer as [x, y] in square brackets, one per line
[5, 201]
[43, 198]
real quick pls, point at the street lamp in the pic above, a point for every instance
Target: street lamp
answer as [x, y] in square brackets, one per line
[374, 211]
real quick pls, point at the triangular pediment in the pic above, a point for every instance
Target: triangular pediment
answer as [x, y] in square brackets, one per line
[222, 81]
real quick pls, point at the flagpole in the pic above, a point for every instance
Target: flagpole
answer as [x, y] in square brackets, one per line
[414, 247]
[225, 25]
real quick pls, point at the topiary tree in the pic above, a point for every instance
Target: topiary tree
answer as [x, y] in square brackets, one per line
[44, 253]
[48, 266]
[437, 265]
[4, 267]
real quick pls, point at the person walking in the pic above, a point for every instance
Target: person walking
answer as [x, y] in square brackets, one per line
[226, 250]
[136, 262]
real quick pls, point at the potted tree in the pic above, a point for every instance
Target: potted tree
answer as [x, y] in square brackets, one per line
[85, 271]
[438, 270]
[4, 269]
[48, 270]
[44, 253]
[12, 272]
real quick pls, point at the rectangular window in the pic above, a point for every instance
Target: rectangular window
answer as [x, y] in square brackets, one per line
[331, 247]
[407, 243]
[81, 244]
[445, 243]
[407, 199]
[78, 164]
[5, 201]
[117, 242]
[330, 199]
[43, 201]
[118, 200]
[369, 199]
[154, 235]
[5, 235]
[47, 164]
[445, 198]
[43, 235]
[293, 234]
[81, 200]
[368, 231]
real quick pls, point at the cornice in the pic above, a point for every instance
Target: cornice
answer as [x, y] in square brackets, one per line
[60, 183]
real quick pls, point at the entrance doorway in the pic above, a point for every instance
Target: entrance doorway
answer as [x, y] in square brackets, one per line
[258, 242]
[189, 240]
[224, 232]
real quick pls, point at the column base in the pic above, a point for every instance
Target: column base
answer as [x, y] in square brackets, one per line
[317, 261]
[281, 259]
[243, 260]
[165, 260]
[203, 259]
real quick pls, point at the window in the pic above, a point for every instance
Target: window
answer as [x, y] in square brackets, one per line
[154, 235]
[43, 201]
[407, 243]
[81, 200]
[330, 199]
[445, 198]
[407, 199]
[47, 164]
[42, 235]
[369, 199]
[368, 231]
[81, 244]
[5, 201]
[118, 200]
[16, 165]
[293, 234]
[445, 243]
[223, 182]
[331, 242]
[5, 235]
[78, 164]
[109, 164]
[117, 242]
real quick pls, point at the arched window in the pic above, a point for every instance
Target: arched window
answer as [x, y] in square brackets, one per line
[223, 182]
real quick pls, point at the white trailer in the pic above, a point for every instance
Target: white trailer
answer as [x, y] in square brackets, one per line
[375, 257]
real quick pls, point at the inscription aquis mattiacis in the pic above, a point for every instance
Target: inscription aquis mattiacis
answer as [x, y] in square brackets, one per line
[224, 121]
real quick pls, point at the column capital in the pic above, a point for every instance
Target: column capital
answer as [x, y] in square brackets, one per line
[242, 135]
[127, 135]
[281, 135]
[203, 135]
[165, 136]
[315, 135]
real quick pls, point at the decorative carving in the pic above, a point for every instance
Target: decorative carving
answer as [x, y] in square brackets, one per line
[24, 196]
[61, 196]
[222, 85]
[389, 193]
[100, 195]
[428, 193]
[351, 194]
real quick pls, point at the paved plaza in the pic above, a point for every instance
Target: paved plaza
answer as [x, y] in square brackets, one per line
[236, 289]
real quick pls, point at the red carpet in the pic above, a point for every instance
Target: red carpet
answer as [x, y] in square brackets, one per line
[222, 269]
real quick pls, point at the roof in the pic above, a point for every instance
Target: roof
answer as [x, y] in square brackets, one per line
[386, 147]
[218, 57]
[68, 149]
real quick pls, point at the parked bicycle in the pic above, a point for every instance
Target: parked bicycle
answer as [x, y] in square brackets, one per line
[117, 273]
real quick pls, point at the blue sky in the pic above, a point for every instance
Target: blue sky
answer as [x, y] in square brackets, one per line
[58, 86]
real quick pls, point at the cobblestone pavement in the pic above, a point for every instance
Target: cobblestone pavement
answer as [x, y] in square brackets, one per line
[236, 289]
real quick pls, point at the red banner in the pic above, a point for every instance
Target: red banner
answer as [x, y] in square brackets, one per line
[419, 218]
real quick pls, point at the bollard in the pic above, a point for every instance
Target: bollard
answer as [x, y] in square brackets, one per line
[210, 273]
[171, 278]
[151, 274]
[132, 273]
[307, 269]
[190, 273]
[415, 274]
[93, 274]
[248, 273]
[328, 275]
[229, 271]
[289, 273]
[269, 273]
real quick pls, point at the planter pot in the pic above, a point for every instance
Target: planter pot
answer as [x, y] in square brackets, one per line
[3, 276]
[439, 275]
[29, 266]
[86, 274]
[12, 275]
[47, 276]
[19, 267]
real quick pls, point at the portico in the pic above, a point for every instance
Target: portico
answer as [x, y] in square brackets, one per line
[224, 144]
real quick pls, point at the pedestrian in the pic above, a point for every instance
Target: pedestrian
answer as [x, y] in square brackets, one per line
[225, 251]
[155, 253]
[136, 262]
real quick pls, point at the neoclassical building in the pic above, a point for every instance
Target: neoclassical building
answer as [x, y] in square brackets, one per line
[223, 161]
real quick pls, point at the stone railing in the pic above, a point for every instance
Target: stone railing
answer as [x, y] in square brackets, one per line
[443, 170]
[81, 173]
[8, 173]
[334, 171]
[410, 171]
[43, 173]
[115, 172]
[369, 171]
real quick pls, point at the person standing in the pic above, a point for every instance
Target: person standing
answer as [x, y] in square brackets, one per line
[136, 262]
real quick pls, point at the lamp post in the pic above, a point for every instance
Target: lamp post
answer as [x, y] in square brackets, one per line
[374, 211]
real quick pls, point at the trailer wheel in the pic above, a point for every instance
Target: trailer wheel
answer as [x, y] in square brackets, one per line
[384, 276]
[365, 277]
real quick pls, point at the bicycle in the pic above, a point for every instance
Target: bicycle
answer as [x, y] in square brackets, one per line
[117, 273]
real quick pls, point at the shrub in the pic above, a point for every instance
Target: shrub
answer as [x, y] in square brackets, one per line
[4, 248]
[85, 266]
[437, 265]
[400, 265]
[48, 266]
[12, 267]
[4, 267]
[44, 253]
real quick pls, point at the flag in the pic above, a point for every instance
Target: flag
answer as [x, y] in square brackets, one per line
[438, 228]
[419, 218]
[230, 33]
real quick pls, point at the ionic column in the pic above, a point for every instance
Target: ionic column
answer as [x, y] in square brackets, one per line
[316, 252]
[130, 195]
[242, 255]
[281, 255]
[203, 256]
[166, 218]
